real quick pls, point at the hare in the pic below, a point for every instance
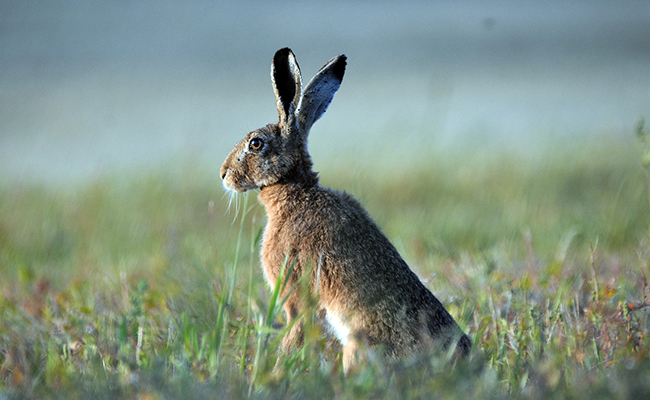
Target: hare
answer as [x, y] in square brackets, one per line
[368, 293]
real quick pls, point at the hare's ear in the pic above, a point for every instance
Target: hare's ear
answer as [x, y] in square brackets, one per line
[287, 85]
[320, 91]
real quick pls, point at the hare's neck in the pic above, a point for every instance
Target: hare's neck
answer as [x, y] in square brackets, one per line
[282, 199]
[301, 174]
[283, 196]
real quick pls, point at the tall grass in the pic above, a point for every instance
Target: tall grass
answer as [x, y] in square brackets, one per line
[146, 287]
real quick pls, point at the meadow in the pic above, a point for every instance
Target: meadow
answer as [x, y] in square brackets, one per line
[146, 286]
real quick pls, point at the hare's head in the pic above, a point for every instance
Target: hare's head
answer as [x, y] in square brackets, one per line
[277, 153]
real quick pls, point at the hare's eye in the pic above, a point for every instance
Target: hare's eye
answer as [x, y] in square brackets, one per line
[256, 144]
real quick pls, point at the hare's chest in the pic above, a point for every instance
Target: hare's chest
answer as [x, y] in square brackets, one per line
[278, 245]
[290, 235]
[270, 254]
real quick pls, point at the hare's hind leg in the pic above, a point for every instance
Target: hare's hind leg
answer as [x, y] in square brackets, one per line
[351, 355]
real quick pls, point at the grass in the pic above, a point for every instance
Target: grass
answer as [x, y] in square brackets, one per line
[145, 287]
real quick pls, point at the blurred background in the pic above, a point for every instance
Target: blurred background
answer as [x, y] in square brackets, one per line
[93, 87]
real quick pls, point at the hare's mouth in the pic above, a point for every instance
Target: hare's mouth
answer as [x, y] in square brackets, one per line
[231, 187]
[231, 184]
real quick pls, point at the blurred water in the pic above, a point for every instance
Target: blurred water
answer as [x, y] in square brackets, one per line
[91, 87]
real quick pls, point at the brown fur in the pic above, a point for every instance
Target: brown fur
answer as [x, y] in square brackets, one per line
[363, 283]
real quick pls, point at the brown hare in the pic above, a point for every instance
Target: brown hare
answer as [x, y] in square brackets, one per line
[368, 293]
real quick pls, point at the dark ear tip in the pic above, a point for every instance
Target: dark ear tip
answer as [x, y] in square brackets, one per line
[282, 54]
[339, 66]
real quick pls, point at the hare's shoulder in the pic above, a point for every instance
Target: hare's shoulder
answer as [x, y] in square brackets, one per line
[320, 214]
[324, 218]
[337, 207]
[346, 223]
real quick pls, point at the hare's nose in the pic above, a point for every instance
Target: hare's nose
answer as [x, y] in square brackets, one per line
[223, 171]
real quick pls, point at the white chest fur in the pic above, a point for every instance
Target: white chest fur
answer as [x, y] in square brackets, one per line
[340, 329]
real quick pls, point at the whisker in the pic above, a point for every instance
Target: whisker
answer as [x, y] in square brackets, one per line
[226, 193]
[234, 198]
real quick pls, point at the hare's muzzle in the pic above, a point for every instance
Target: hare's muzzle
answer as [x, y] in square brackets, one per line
[233, 180]
[228, 183]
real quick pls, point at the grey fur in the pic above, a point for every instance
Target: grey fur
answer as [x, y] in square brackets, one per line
[364, 287]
